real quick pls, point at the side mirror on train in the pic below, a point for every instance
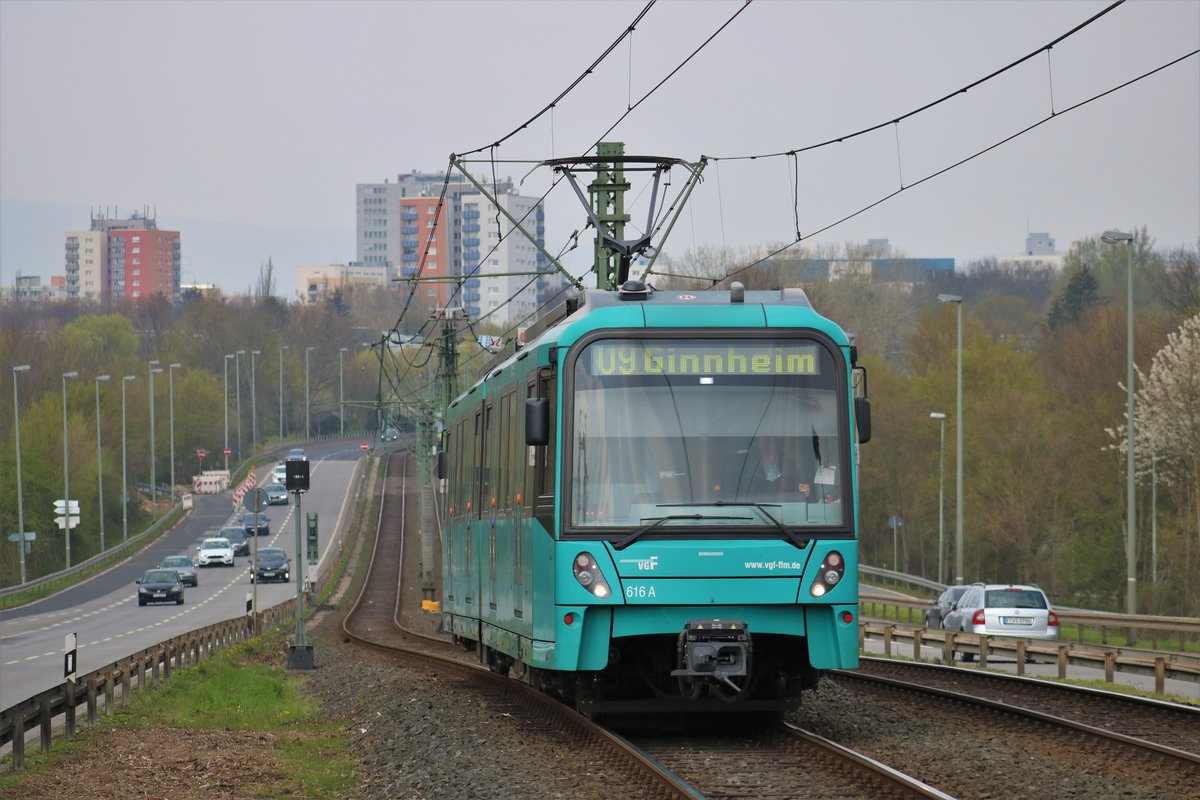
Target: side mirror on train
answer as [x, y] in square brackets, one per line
[862, 415]
[537, 421]
[441, 464]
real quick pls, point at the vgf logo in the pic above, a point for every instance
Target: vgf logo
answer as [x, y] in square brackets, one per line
[643, 564]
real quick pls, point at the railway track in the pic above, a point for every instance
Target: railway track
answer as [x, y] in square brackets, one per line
[785, 762]
[976, 737]
[1155, 724]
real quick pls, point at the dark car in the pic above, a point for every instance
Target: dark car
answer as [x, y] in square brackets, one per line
[264, 524]
[276, 495]
[160, 586]
[946, 600]
[238, 539]
[273, 565]
[184, 566]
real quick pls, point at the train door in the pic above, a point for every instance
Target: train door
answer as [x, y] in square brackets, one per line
[538, 553]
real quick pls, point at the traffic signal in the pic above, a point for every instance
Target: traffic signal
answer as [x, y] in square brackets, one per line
[296, 477]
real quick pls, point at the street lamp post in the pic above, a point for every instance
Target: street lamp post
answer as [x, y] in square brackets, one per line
[66, 469]
[958, 445]
[253, 403]
[171, 383]
[307, 393]
[1116, 237]
[281, 349]
[153, 474]
[100, 460]
[237, 382]
[20, 499]
[941, 418]
[342, 391]
[226, 451]
[124, 464]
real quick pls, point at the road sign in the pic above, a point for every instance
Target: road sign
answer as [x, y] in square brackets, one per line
[364, 447]
[228, 451]
[61, 507]
[66, 522]
[255, 499]
[29, 536]
[200, 454]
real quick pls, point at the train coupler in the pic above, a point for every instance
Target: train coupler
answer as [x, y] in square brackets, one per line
[714, 648]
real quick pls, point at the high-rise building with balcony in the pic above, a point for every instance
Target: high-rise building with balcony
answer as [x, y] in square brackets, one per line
[466, 255]
[122, 259]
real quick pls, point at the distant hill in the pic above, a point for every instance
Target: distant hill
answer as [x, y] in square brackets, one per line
[224, 253]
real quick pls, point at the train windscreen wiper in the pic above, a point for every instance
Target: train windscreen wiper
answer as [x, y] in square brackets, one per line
[792, 537]
[633, 537]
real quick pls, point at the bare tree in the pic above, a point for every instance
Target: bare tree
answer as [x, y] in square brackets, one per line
[265, 287]
[1176, 280]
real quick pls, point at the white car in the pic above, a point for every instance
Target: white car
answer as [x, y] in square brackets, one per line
[280, 473]
[215, 550]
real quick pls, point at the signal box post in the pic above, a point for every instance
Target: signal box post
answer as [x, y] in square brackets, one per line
[300, 653]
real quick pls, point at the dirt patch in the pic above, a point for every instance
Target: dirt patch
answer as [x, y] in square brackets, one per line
[167, 764]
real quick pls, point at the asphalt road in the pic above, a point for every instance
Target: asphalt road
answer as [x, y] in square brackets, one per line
[103, 611]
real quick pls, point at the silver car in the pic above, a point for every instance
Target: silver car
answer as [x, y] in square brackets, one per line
[1001, 609]
[184, 565]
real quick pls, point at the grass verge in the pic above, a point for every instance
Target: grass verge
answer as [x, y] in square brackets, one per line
[233, 693]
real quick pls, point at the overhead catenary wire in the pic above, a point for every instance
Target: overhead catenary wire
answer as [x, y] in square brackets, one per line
[896, 120]
[555, 182]
[931, 176]
[628, 32]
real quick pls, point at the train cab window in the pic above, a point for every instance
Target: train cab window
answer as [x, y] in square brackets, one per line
[743, 432]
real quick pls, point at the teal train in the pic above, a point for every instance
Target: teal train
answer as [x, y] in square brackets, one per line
[652, 504]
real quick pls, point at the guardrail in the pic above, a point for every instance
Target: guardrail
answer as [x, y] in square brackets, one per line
[1166, 633]
[109, 687]
[101, 691]
[1162, 666]
[48, 584]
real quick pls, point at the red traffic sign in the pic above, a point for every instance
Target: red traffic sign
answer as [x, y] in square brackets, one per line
[364, 447]
[228, 451]
[201, 454]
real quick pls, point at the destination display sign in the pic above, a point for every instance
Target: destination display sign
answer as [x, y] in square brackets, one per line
[641, 357]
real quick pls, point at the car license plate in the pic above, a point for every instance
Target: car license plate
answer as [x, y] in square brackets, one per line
[160, 594]
[1017, 620]
[268, 574]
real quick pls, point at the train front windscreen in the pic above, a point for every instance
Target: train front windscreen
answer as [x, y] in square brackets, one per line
[736, 432]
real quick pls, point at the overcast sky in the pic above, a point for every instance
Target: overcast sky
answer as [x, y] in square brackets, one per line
[246, 125]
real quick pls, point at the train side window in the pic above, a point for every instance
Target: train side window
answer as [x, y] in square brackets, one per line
[471, 465]
[504, 462]
[530, 455]
[548, 388]
[458, 471]
[514, 463]
[487, 489]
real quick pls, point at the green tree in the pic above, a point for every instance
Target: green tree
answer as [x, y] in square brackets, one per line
[1080, 294]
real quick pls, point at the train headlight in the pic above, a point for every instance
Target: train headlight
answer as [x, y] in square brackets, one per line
[587, 572]
[829, 574]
